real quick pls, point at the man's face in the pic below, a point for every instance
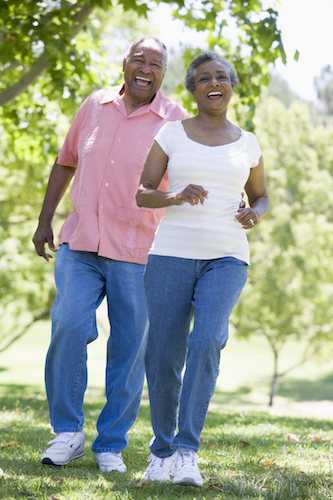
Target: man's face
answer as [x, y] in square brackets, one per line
[144, 70]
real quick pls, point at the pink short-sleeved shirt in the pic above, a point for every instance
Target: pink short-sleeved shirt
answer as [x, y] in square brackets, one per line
[108, 148]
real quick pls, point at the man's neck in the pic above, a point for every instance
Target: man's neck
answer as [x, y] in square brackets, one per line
[132, 105]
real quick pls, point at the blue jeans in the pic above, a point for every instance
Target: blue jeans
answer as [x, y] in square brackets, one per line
[83, 279]
[177, 290]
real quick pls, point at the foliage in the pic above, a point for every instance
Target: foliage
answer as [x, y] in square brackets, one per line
[32, 128]
[258, 45]
[280, 89]
[289, 294]
[54, 53]
[249, 455]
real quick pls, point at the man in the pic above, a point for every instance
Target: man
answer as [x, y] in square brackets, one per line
[103, 249]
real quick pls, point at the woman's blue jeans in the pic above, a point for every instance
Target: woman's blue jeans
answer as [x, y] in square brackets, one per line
[83, 279]
[177, 290]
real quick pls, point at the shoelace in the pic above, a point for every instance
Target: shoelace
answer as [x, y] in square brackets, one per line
[155, 462]
[188, 459]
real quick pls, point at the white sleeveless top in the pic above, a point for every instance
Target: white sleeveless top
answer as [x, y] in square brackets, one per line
[207, 231]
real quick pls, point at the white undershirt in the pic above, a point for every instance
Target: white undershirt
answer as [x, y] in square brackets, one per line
[207, 231]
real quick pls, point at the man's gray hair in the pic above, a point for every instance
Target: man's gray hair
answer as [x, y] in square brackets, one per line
[142, 39]
[204, 57]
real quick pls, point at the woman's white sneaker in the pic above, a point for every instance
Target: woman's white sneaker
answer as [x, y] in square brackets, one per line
[65, 447]
[185, 469]
[159, 469]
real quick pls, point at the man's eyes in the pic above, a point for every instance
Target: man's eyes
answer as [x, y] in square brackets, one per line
[141, 61]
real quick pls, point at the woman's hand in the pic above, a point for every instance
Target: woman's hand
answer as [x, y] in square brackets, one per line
[247, 217]
[192, 194]
[258, 198]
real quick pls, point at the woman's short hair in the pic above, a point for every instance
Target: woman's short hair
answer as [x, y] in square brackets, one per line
[204, 57]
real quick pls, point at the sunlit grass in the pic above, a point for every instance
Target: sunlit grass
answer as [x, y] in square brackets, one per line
[248, 451]
[246, 455]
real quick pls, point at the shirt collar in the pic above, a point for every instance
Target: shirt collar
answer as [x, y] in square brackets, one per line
[113, 94]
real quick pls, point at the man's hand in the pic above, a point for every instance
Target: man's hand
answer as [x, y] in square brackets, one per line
[43, 236]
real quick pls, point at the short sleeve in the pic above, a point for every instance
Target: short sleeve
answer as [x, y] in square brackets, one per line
[252, 148]
[163, 137]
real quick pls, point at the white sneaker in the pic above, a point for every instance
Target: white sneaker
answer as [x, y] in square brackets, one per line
[159, 469]
[65, 447]
[108, 462]
[185, 469]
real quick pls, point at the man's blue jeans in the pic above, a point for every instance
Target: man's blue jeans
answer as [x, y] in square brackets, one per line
[177, 290]
[83, 279]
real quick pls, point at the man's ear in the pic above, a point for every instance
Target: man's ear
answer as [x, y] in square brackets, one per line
[124, 62]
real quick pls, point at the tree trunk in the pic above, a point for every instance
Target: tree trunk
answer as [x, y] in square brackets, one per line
[275, 379]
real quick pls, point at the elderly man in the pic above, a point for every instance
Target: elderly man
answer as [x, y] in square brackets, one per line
[103, 249]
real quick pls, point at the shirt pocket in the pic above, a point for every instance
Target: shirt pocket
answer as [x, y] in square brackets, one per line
[134, 228]
[89, 139]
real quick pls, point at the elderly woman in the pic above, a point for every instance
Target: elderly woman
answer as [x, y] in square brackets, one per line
[197, 266]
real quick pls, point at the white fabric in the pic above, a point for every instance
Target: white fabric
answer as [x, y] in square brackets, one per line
[206, 231]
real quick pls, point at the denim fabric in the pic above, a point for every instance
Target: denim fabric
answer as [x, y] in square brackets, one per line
[177, 290]
[83, 279]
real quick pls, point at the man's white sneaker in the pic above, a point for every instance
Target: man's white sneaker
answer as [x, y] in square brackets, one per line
[65, 447]
[186, 470]
[159, 469]
[108, 462]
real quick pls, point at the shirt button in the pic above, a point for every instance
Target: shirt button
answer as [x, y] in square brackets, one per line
[107, 184]
[112, 161]
[119, 140]
[102, 207]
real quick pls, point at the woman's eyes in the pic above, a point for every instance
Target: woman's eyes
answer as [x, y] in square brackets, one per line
[219, 77]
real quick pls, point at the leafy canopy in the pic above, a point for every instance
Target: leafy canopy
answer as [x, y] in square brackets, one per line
[53, 53]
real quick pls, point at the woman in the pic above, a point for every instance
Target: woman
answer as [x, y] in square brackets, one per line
[197, 266]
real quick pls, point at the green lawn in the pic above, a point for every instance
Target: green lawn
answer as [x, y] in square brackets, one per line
[248, 451]
[245, 373]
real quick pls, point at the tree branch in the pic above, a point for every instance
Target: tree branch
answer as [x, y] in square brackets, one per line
[42, 64]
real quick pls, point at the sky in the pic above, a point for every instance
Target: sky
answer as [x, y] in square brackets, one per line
[305, 25]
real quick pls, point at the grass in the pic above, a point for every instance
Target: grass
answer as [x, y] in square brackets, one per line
[248, 451]
[243, 455]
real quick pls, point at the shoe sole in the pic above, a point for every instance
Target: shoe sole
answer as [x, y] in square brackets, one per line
[107, 469]
[48, 461]
[153, 479]
[188, 481]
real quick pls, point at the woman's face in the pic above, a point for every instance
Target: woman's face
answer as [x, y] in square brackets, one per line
[213, 89]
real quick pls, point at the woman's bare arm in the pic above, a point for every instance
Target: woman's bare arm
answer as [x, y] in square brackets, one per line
[149, 196]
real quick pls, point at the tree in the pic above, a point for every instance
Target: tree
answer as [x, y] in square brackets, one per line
[289, 294]
[280, 89]
[53, 54]
[32, 130]
[324, 86]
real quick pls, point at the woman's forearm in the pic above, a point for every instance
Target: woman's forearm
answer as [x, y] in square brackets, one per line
[260, 206]
[152, 198]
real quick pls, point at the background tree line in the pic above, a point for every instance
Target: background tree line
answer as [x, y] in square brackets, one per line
[56, 52]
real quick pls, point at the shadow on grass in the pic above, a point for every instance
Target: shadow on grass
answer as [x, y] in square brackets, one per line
[231, 439]
[297, 390]
[307, 390]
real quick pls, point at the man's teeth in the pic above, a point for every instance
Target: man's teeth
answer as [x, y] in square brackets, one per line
[214, 93]
[143, 79]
